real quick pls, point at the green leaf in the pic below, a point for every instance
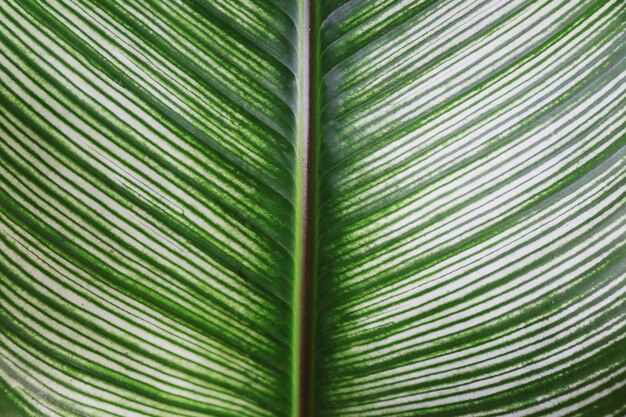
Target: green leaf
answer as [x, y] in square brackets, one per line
[147, 194]
[312, 207]
[472, 234]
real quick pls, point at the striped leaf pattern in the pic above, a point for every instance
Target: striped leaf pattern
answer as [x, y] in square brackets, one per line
[473, 225]
[147, 159]
[467, 222]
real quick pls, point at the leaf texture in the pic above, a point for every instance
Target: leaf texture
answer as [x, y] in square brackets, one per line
[465, 207]
[147, 186]
[473, 215]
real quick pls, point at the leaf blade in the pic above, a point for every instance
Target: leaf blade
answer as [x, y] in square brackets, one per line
[450, 144]
[147, 210]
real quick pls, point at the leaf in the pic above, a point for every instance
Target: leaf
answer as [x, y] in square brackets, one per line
[147, 194]
[472, 238]
[300, 207]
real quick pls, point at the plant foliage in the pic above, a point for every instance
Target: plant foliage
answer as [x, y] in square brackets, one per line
[324, 208]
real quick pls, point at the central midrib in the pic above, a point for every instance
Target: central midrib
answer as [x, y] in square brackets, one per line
[305, 230]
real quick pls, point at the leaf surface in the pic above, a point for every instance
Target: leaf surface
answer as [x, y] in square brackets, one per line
[313, 208]
[472, 209]
[147, 207]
